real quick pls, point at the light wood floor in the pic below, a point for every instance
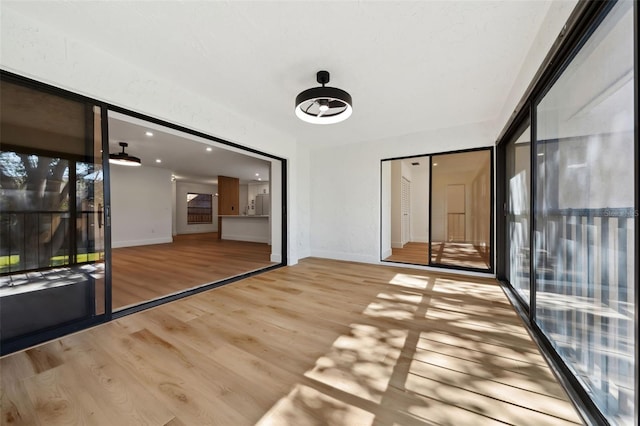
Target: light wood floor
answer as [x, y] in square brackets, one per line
[145, 273]
[459, 254]
[416, 253]
[320, 343]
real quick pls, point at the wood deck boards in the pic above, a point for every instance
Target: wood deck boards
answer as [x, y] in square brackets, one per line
[320, 343]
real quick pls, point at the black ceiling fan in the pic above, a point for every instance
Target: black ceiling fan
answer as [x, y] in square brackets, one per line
[323, 105]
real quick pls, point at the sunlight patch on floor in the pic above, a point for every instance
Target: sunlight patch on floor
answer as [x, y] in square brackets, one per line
[410, 281]
[362, 362]
[306, 406]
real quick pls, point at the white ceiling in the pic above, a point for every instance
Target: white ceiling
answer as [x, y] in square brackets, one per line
[185, 155]
[409, 65]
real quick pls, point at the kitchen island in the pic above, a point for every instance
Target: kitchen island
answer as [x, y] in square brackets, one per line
[253, 228]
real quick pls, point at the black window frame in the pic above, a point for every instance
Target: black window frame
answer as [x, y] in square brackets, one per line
[583, 22]
[44, 335]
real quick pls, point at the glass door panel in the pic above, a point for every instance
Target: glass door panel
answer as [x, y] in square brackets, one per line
[584, 224]
[51, 251]
[518, 220]
[461, 209]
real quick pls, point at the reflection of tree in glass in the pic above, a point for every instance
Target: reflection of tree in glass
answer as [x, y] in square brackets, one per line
[35, 201]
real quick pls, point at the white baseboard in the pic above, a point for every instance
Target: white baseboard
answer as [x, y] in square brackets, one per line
[251, 239]
[276, 257]
[350, 257]
[147, 242]
[386, 253]
[396, 244]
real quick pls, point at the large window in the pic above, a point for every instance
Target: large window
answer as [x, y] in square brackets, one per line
[584, 226]
[51, 213]
[436, 210]
[517, 214]
[576, 272]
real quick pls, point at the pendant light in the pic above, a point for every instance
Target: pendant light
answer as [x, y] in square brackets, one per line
[323, 105]
[124, 159]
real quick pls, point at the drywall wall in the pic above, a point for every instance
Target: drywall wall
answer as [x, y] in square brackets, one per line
[345, 208]
[396, 204]
[418, 177]
[550, 28]
[35, 50]
[419, 199]
[140, 206]
[182, 189]
[244, 199]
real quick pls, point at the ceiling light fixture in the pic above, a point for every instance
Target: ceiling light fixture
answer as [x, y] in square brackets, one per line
[323, 105]
[124, 159]
[148, 133]
[209, 149]
[158, 160]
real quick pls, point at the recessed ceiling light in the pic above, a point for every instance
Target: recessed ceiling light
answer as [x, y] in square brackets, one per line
[148, 133]
[435, 164]
[209, 149]
[541, 154]
[158, 160]
[257, 174]
[259, 178]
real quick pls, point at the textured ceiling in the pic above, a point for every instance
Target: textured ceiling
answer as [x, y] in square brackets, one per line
[410, 66]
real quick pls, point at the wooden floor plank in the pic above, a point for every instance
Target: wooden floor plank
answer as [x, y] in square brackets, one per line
[320, 343]
[144, 273]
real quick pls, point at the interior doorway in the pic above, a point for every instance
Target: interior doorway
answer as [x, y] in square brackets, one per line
[195, 212]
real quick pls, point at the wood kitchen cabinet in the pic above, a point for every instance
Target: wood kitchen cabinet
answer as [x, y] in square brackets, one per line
[228, 199]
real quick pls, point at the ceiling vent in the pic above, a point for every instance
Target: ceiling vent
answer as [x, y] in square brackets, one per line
[323, 105]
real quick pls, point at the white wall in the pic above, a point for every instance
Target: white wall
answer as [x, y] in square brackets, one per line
[182, 189]
[38, 51]
[420, 200]
[244, 198]
[140, 206]
[385, 209]
[345, 206]
[550, 29]
[396, 204]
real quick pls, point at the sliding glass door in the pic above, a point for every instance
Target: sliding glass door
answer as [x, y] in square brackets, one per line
[52, 249]
[437, 210]
[517, 213]
[584, 226]
[576, 273]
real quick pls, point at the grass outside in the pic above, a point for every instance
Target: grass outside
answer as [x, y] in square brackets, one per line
[8, 262]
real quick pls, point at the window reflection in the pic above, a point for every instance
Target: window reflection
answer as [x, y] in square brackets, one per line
[584, 233]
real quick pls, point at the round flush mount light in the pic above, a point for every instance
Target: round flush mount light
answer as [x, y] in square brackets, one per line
[323, 105]
[124, 159]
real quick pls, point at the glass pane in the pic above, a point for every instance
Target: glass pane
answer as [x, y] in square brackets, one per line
[48, 258]
[461, 209]
[405, 205]
[518, 215]
[194, 213]
[584, 229]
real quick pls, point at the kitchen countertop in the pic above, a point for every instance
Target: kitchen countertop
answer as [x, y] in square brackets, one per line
[242, 215]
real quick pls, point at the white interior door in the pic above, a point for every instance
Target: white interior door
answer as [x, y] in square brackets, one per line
[406, 210]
